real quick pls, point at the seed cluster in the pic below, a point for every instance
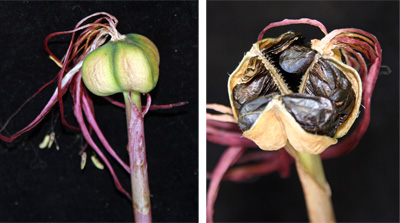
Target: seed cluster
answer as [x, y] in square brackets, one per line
[312, 89]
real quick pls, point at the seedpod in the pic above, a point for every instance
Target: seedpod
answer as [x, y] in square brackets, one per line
[127, 64]
[284, 91]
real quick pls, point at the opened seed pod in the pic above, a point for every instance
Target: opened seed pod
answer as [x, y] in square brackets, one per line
[284, 91]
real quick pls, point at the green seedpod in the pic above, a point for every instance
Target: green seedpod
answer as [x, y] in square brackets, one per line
[129, 64]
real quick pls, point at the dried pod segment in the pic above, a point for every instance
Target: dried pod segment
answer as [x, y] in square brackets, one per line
[128, 64]
[284, 91]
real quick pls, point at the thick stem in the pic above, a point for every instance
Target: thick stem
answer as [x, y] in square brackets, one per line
[137, 158]
[316, 189]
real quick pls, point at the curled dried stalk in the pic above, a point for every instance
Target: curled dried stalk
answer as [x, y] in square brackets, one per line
[101, 60]
[300, 96]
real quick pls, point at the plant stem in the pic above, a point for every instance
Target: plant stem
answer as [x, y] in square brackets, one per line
[137, 158]
[316, 189]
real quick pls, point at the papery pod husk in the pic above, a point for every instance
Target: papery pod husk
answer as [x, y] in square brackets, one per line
[276, 127]
[129, 64]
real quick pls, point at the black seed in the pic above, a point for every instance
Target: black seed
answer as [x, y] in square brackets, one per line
[250, 111]
[296, 59]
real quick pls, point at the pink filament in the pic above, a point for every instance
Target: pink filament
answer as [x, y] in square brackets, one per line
[39, 118]
[112, 20]
[92, 122]
[26, 102]
[226, 137]
[227, 159]
[151, 108]
[286, 22]
[79, 116]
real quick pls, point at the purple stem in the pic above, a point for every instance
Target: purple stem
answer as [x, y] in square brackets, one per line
[137, 158]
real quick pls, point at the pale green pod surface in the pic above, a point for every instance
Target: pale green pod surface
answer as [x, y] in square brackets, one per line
[130, 64]
[97, 71]
[147, 45]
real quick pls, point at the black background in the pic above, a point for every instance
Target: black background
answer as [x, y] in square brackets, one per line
[364, 183]
[48, 185]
